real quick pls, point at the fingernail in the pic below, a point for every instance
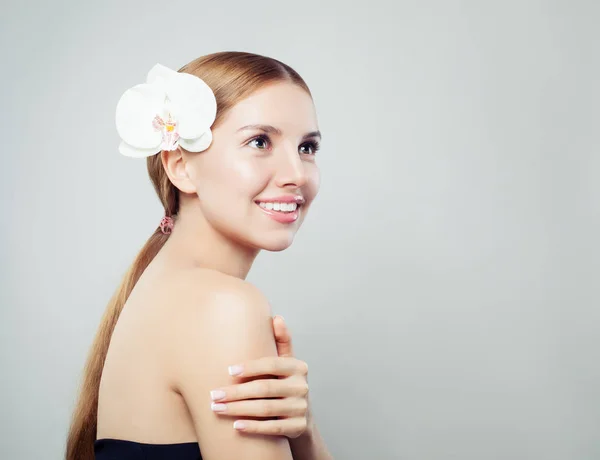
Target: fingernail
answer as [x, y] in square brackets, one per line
[215, 395]
[235, 370]
[282, 318]
[218, 407]
[239, 425]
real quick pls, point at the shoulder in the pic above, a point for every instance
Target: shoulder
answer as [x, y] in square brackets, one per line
[217, 319]
[210, 293]
[221, 321]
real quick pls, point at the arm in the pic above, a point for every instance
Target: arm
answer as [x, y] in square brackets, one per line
[224, 324]
[289, 414]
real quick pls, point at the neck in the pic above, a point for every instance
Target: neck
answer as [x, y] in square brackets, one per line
[195, 243]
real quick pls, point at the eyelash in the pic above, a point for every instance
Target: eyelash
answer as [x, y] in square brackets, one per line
[314, 145]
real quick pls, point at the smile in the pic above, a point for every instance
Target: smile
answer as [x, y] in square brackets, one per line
[282, 207]
[281, 212]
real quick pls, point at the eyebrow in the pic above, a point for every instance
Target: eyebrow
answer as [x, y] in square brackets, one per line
[273, 130]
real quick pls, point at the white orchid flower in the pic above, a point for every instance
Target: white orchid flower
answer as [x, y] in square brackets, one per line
[169, 110]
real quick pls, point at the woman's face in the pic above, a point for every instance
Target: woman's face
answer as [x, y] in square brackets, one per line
[259, 177]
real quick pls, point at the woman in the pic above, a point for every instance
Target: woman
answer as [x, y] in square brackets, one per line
[193, 364]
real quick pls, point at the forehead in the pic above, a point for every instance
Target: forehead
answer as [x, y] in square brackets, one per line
[282, 104]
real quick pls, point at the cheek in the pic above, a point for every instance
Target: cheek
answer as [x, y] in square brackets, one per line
[233, 182]
[248, 179]
[250, 176]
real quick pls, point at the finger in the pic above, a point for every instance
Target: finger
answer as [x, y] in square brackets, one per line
[288, 407]
[290, 427]
[270, 365]
[283, 337]
[261, 389]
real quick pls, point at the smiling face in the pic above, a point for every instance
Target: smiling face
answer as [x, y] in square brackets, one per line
[262, 155]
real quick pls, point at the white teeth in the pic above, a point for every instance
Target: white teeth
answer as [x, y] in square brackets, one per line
[281, 207]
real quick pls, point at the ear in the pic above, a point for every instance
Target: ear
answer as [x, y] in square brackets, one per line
[174, 163]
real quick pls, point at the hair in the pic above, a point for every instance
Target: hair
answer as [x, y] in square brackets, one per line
[232, 76]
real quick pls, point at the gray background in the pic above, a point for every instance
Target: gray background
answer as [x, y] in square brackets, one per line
[444, 286]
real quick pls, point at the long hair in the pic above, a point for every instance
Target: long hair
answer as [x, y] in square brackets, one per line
[232, 76]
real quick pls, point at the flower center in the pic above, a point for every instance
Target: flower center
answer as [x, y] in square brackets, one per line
[169, 133]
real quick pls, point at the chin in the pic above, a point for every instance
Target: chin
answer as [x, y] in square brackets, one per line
[275, 244]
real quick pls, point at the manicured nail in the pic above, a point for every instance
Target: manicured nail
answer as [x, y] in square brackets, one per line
[235, 370]
[239, 425]
[218, 407]
[215, 395]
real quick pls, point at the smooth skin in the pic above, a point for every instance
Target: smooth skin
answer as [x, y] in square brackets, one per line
[250, 399]
[192, 315]
[291, 411]
[232, 325]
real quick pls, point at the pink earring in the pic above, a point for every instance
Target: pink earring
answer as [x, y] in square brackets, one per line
[166, 225]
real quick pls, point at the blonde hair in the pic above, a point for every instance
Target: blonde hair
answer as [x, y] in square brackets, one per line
[232, 76]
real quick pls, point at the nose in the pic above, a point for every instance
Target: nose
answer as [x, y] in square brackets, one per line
[290, 171]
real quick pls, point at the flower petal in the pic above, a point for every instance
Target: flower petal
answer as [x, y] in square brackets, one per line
[135, 152]
[194, 104]
[161, 71]
[135, 111]
[198, 144]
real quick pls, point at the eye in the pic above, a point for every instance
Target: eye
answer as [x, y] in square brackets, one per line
[261, 142]
[310, 148]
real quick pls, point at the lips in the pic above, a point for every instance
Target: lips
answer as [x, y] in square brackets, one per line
[283, 209]
[298, 199]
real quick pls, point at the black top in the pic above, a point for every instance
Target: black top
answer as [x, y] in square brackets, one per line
[118, 449]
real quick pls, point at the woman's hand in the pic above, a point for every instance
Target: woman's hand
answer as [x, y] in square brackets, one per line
[282, 400]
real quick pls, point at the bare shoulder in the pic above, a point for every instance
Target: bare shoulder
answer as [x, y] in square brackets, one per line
[218, 318]
[211, 293]
[221, 321]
